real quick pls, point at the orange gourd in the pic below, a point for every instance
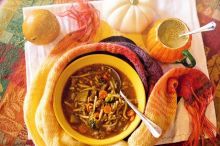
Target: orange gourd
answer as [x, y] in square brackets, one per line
[164, 44]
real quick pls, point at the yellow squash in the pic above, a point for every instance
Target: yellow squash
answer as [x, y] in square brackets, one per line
[41, 27]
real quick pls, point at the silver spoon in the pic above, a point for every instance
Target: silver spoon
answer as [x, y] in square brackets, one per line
[208, 27]
[155, 130]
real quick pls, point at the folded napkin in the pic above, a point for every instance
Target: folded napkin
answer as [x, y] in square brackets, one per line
[36, 55]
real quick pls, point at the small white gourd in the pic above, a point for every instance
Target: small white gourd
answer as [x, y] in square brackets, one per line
[128, 16]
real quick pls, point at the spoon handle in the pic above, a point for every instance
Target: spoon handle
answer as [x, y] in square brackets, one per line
[208, 27]
[155, 130]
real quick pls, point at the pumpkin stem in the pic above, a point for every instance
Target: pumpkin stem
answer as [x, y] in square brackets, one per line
[134, 2]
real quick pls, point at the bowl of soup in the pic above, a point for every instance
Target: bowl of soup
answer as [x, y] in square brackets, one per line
[87, 105]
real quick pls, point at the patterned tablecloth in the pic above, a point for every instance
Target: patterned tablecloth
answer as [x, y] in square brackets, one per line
[12, 63]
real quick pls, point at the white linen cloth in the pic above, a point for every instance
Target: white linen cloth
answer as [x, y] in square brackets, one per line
[184, 10]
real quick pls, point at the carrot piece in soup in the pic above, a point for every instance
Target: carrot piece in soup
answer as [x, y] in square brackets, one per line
[107, 109]
[102, 94]
[130, 113]
[82, 128]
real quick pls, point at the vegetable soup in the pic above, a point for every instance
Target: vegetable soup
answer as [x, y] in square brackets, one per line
[91, 104]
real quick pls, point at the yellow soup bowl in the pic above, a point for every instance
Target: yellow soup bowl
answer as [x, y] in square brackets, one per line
[109, 60]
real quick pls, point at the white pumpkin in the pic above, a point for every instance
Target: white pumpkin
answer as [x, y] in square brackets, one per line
[129, 16]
